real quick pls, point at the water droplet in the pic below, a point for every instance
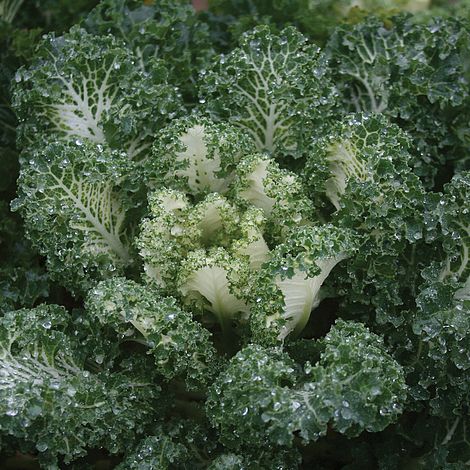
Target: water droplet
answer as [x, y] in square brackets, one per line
[374, 391]
[384, 411]
[55, 385]
[41, 446]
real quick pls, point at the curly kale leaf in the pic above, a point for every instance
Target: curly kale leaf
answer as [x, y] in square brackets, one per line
[288, 285]
[362, 167]
[50, 399]
[263, 396]
[74, 211]
[197, 155]
[181, 346]
[165, 30]
[87, 87]
[275, 87]
[412, 73]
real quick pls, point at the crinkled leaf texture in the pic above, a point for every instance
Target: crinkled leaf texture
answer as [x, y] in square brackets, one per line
[49, 398]
[74, 212]
[275, 87]
[87, 87]
[263, 396]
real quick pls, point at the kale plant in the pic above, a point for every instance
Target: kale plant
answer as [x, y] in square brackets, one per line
[231, 248]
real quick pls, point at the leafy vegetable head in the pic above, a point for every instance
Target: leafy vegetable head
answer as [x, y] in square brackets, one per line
[255, 260]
